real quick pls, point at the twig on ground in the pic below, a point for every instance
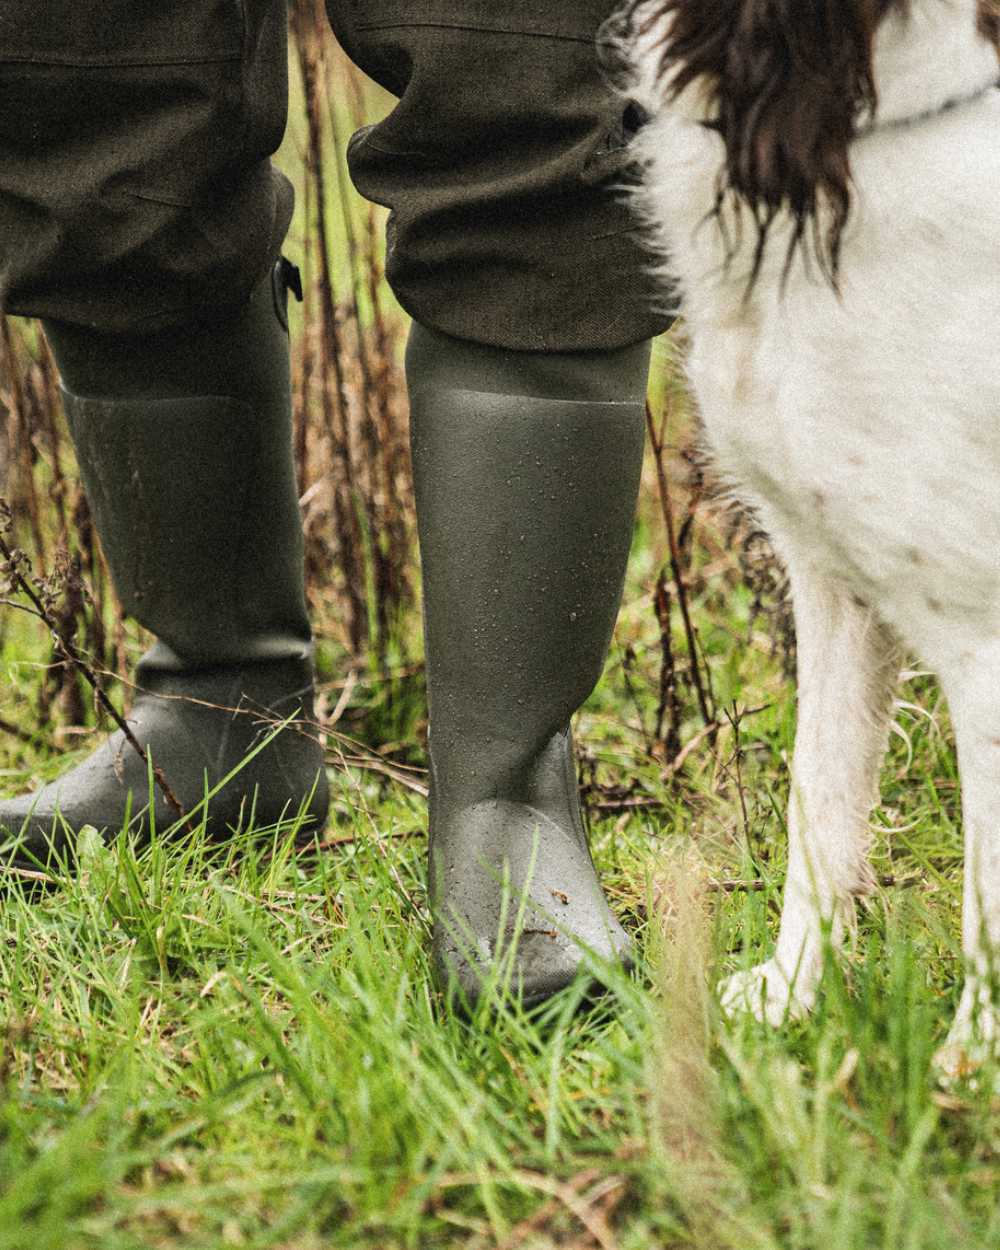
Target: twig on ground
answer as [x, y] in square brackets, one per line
[26, 874]
[566, 1195]
[678, 762]
[758, 884]
[345, 839]
[536, 1222]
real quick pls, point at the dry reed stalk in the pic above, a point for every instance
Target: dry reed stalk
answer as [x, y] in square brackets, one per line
[372, 466]
[48, 506]
[683, 1081]
[384, 392]
[308, 39]
[669, 708]
[685, 1095]
[24, 498]
[700, 682]
[353, 462]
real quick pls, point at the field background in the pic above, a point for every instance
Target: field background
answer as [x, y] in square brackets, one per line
[241, 1046]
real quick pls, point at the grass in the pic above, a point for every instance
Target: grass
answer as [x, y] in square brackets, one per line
[241, 1045]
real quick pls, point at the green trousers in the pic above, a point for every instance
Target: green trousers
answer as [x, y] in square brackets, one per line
[136, 189]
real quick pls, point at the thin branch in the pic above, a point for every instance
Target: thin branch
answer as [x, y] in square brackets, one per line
[315, 730]
[656, 439]
[20, 582]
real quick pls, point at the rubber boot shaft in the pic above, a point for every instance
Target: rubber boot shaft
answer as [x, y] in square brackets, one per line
[189, 474]
[184, 446]
[526, 469]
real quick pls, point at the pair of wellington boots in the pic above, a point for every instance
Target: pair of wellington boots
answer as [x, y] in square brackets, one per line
[526, 469]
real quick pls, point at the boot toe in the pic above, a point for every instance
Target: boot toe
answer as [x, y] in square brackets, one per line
[520, 905]
[34, 828]
[544, 962]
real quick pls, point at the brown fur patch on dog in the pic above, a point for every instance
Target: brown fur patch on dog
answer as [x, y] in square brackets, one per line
[787, 84]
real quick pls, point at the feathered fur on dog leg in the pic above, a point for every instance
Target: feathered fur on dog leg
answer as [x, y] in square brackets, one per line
[847, 666]
[973, 690]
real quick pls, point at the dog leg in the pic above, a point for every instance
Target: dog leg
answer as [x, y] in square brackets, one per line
[847, 667]
[973, 691]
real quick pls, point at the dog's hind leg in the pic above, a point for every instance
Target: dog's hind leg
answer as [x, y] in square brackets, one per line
[972, 686]
[848, 662]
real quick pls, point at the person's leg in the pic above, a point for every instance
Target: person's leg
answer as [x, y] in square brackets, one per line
[524, 271]
[135, 188]
[503, 165]
[143, 223]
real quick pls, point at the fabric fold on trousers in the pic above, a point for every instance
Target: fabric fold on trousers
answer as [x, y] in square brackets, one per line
[137, 193]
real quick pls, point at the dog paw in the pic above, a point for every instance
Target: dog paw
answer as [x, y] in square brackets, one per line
[971, 1048]
[766, 993]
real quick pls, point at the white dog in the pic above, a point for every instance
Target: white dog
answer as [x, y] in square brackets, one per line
[823, 180]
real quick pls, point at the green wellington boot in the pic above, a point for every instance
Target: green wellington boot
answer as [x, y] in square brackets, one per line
[526, 469]
[184, 445]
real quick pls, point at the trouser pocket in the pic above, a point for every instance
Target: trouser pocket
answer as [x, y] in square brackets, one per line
[134, 183]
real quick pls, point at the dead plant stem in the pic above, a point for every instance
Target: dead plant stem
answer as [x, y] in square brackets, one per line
[65, 647]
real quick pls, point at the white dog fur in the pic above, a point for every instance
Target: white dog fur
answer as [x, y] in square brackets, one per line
[864, 430]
